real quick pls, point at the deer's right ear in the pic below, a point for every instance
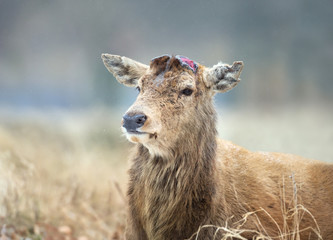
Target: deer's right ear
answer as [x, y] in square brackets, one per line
[125, 70]
[223, 77]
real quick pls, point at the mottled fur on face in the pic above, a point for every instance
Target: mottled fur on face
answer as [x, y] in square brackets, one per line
[169, 111]
[174, 98]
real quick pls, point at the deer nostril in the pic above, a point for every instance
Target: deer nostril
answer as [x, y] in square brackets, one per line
[141, 119]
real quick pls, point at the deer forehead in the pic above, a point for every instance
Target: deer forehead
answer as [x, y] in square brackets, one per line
[170, 72]
[168, 80]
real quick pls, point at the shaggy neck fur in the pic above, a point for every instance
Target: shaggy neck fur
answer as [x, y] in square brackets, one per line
[180, 187]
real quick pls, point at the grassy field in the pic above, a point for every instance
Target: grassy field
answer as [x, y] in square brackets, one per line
[63, 174]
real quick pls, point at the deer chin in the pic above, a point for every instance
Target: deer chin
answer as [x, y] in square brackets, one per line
[149, 140]
[139, 136]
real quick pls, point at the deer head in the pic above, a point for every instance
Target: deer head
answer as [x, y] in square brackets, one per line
[175, 99]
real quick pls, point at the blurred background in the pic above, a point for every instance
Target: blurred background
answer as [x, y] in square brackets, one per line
[50, 50]
[60, 109]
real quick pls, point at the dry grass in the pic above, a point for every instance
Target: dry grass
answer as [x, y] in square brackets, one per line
[288, 231]
[62, 179]
[63, 176]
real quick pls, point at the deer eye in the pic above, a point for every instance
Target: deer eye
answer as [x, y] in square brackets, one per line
[187, 91]
[138, 89]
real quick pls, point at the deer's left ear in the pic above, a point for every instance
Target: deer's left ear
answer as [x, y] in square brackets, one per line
[223, 77]
[127, 71]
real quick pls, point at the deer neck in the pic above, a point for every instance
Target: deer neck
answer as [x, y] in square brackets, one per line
[181, 187]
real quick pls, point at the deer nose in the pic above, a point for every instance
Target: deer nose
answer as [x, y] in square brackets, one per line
[132, 123]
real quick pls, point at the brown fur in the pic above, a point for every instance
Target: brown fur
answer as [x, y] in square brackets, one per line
[183, 177]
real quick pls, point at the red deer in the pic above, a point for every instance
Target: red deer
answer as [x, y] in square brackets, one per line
[184, 178]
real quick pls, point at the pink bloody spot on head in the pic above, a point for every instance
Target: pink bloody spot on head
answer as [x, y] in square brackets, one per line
[188, 62]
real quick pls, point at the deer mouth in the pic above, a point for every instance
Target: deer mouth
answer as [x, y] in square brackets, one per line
[151, 135]
[136, 132]
[133, 131]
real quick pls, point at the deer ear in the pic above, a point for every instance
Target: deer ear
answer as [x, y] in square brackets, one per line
[125, 70]
[223, 77]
